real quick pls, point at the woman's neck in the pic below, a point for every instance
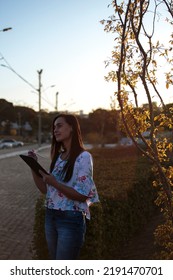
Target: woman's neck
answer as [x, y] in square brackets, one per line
[66, 150]
[64, 156]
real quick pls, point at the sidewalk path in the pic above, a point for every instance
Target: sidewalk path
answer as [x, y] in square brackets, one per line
[18, 196]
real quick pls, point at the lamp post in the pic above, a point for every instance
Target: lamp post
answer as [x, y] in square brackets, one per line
[56, 101]
[5, 29]
[48, 88]
[39, 107]
[39, 95]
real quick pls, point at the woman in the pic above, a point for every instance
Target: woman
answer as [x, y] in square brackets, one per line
[69, 189]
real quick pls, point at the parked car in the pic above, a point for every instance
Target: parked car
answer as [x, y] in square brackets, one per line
[5, 145]
[126, 141]
[10, 143]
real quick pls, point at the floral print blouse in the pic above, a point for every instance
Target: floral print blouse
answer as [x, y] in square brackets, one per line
[81, 181]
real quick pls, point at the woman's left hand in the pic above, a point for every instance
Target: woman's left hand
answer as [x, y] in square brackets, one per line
[48, 178]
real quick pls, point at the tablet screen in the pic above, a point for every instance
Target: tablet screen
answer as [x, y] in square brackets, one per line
[33, 164]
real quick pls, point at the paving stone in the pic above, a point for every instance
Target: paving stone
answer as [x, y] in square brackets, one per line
[18, 195]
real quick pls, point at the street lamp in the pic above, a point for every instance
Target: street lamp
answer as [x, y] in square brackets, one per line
[35, 90]
[5, 29]
[48, 88]
[39, 107]
[39, 102]
[56, 102]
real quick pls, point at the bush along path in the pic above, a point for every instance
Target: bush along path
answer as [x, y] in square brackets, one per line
[123, 223]
[142, 245]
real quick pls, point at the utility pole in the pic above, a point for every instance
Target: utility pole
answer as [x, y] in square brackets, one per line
[56, 101]
[19, 123]
[39, 106]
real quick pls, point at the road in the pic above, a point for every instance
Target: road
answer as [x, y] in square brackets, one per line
[18, 196]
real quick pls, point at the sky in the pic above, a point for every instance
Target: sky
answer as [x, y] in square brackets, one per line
[67, 41]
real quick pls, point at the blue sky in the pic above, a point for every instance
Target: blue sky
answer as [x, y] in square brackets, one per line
[66, 40]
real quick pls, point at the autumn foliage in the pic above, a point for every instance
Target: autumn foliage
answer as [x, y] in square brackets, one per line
[137, 59]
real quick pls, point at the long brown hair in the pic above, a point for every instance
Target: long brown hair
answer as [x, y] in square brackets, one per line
[76, 145]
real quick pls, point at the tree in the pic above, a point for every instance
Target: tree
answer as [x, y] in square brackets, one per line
[138, 57]
[102, 122]
[6, 110]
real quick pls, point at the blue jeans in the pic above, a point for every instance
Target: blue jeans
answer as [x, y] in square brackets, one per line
[65, 232]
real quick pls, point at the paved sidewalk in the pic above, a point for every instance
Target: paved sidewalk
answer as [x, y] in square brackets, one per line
[18, 196]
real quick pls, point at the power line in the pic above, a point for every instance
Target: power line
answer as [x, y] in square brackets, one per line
[8, 66]
[11, 68]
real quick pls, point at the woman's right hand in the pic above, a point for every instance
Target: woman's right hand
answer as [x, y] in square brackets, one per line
[32, 154]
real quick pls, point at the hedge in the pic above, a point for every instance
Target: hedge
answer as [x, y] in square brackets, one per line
[113, 222]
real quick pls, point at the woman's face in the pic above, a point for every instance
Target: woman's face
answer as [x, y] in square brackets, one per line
[62, 130]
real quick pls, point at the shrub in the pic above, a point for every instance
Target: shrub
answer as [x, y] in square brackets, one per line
[38, 247]
[124, 183]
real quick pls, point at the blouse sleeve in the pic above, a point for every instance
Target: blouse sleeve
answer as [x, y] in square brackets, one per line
[84, 182]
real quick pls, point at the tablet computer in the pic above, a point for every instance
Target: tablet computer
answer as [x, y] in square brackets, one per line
[33, 164]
